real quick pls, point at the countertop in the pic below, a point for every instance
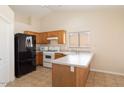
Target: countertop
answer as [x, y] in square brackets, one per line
[82, 59]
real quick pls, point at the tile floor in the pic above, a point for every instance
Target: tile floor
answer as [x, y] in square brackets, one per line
[97, 79]
[42, 77]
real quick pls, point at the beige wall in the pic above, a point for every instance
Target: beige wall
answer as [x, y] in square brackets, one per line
[29, 23]
[107, 34]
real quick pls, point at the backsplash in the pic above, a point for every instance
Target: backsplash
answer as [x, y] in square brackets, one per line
[38, 47]
[63, 47]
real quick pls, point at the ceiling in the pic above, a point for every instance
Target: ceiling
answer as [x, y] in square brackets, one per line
[41, 10]
[30, 10]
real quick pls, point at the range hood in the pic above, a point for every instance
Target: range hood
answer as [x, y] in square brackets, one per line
[52, 38]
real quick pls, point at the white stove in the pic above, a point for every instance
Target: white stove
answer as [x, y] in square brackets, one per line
[48, 56]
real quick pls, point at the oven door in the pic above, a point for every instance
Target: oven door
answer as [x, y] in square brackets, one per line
[47, 57]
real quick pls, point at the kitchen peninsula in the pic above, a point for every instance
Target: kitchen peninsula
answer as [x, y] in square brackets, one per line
[71, 70]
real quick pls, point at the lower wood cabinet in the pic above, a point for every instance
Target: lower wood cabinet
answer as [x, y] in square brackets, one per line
[39, 58]
[62, 76]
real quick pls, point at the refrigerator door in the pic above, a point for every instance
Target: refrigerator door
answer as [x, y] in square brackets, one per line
[24, 54]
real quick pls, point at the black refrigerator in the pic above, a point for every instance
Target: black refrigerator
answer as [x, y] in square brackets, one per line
[25, 53]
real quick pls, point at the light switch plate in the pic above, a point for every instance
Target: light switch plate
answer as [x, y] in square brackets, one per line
[72, 68]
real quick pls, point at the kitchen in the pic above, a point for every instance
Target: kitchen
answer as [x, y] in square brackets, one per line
[68, 51]
[45, 56]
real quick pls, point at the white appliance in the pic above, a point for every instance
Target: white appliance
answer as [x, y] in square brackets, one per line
[49, 55]
[47, 59]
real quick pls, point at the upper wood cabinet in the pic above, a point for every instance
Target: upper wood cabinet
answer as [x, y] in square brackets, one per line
[29, 33]
[53, 34]
[58, 33]
[61, 36]
[41, 38]
[38, 38]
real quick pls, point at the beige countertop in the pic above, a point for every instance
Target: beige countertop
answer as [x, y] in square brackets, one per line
[82, 59]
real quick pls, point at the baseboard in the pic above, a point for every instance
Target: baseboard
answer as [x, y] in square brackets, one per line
[109, 72]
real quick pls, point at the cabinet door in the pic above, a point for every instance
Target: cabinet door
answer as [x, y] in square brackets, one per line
[38, 39]
[43, 38]
[61, 37]
[39, 58]
[62, 76]
[53, 34]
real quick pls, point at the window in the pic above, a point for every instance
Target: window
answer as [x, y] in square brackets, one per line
[73, 39]
[79, 39]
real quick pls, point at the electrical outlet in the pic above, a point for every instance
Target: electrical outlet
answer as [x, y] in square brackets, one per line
[72, 68]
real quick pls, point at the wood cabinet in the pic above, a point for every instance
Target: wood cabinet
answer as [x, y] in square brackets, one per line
[37, 34]
[43, 38]
[62, 76]
[59, 55]
[53, 34]
[58, 33]
[61, 36]
[28, 32]
[38, 39]
[39, 58]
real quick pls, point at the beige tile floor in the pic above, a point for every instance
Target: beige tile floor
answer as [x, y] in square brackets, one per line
[42, 77]
[97, 79]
